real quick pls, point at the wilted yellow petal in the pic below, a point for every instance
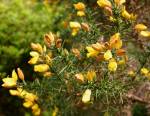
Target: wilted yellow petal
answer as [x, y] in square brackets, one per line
[86, 97]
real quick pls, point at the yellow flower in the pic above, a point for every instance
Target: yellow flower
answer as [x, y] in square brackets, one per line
[91, 52]
[119, 2]
[10, 82]
[140, 27]
[74, 25]
[112, 19]
[30, 97]
[125, 14]
[27, 104]
[107, 55]
[79, 6]
[145, 33]
[41, 68]
[115, 41]
[99, 47]
[14, 92]
[33, 60]
[86, 97]
[80, 13]
[37, 112]
[112, 66]
[104, 3]
[91, 75]
[144, 71]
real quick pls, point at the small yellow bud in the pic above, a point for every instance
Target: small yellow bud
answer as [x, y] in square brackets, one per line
[131, 73]
[20, 74]
[49, 39]
[37, 47]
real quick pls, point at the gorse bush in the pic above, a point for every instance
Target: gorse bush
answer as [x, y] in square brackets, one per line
[93, 66]
[21, 23]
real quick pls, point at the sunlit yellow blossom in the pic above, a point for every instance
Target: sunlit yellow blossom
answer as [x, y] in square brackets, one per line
[107, 55]
[91, 52]
[91, 75]
[86, 97]
[27, 104]
[119, 2]
[144, 71]
[125, 14]
[104, 3]
[34, 54]
[145, 33]
[33, 60]
[115, 41]
[37, 112]
[79, 6]
[14, 92]
[10, 82]
[80, 13]
[41, 68]
[74, 25]
[112, 66]
[140, 27]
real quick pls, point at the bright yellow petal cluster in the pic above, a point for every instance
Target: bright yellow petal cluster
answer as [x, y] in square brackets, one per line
[75, 26]
[112, 66]
[144, 71]
[127, 15]
[91, 52]
[80, 13]
[140, 27]
[104, 3]
[107, 55]
[91, 75]
[79, 6]
[10, 82]
[41, 68]
[145, 33]
[86, 97]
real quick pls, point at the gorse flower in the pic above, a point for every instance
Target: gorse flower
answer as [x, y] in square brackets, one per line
[91, 52]
[107, 55]
[41, 68]
[145, 33]
[119, 2]
[75, 26]
[90, 75]
[86, 97]
[140, 27]
[79, 6]
[10, 82]
[104, 3]
[112, 66]
[144, 71]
